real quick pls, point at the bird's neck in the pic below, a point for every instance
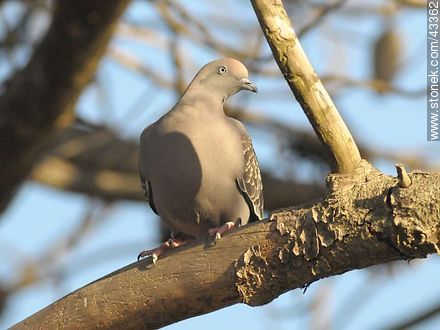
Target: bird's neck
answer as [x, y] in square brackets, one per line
[200, 97]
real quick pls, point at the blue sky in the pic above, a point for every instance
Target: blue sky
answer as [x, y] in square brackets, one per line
[41, 215]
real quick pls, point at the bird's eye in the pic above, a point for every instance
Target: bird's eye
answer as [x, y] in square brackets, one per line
[221, 69]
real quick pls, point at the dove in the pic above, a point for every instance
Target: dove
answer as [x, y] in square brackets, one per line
[198, 168]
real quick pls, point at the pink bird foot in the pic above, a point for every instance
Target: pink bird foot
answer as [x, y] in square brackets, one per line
[156, 252]
[219, 231]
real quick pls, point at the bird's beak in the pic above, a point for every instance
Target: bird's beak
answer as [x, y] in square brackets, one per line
[247, 85]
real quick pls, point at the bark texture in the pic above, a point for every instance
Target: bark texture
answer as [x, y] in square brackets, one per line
[40, 99]
[306, 86]
[365, 219]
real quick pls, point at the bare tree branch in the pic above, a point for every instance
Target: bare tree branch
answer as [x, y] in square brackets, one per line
[424, 316]
[99, 163]
[365, 219]
[373, 84]
[40, 99]
[306, 86]
[135, 64]
[95, 161]
[321, 13]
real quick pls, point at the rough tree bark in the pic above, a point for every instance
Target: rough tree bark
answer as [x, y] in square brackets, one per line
[365, 219]
[40, 99]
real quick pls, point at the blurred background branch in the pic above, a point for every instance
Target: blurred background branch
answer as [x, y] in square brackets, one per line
[40, 98]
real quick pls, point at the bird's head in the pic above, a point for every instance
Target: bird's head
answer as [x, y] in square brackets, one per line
[224, 77]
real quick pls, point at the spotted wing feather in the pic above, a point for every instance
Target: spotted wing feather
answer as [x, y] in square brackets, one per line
[250, 183]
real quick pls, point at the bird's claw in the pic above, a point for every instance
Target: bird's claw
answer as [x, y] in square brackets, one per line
[142, 255]
[217, 232]
[155, 253]
[217, 237]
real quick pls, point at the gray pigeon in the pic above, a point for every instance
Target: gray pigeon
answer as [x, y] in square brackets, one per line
[197, 166]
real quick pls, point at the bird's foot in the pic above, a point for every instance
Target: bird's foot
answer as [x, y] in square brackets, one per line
[156, 252]
[217, 232]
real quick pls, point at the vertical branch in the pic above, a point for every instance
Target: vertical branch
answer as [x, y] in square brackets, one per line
[306, 86]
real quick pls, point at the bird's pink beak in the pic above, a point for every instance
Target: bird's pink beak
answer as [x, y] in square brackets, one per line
[247, 85]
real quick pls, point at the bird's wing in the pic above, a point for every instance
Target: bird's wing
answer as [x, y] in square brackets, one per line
[249, 183]
[145, 183]
[146, 188]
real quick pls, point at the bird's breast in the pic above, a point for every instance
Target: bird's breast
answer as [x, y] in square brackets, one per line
[194, 167]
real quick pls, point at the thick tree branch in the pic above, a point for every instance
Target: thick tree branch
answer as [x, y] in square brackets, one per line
[365, 219]
[40, 99]
[306, 86]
